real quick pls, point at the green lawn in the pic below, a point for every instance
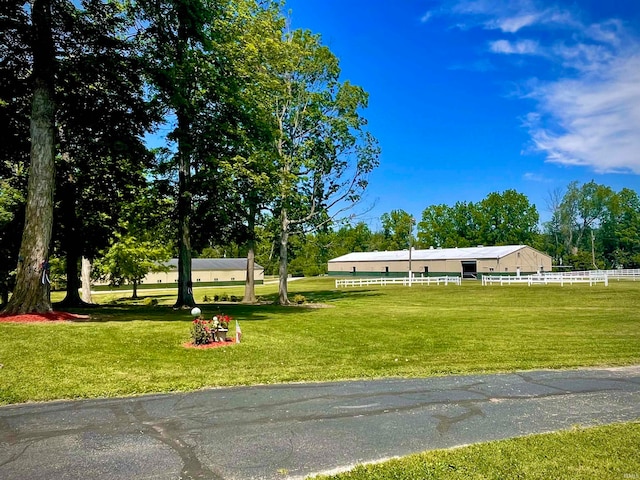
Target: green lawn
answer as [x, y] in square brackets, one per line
[607, 452]
[359, 333]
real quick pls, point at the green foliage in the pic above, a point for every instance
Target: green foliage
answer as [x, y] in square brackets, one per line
[299, 299]
[129, 260]
[397, 228]
[201, 331]
[499, 219]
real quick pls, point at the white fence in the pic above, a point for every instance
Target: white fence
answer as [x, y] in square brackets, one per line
[363, 282]
[590, 277]
[619, 274]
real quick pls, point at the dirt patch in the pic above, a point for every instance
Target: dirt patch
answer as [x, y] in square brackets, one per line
[43, 317]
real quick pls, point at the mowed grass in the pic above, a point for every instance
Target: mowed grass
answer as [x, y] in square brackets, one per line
[357, 333]
[604, 453]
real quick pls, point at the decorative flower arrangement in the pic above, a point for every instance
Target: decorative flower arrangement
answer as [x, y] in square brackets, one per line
[209, 331]
[221, 321]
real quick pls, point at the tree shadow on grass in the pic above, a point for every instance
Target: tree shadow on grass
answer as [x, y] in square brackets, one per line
[129, 310]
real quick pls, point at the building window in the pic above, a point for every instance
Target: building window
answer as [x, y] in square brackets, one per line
[159, 281]
[354, 270]
[491, 269]
[386, 269]
[215, 279]
[233, 279]
[426, 269]
[506, 269]
[198, 280]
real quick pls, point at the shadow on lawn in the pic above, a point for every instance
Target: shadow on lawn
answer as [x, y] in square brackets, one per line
[128, 310]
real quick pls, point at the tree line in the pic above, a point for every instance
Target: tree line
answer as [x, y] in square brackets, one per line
[590, 226]
[259, 133]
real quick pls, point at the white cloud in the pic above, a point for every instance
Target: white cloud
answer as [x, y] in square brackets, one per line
[590, 114]
[510, 16]
[426, 17]
[522, 47]
[515, 23]
[597, 118]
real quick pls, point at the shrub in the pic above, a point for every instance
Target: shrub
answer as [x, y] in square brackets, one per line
[216, 298]
[299, 299]
[206, 299]
[150, 302]
[224, 297]
[201, 332]
[233, 298]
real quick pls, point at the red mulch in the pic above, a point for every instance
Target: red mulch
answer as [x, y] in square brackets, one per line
[230, 341]
[42, 317]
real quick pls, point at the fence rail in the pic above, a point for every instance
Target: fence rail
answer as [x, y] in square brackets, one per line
[363, 282]
[590, 277]
[619, 274]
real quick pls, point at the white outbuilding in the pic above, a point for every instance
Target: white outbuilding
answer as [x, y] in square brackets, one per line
[209, 271]
[470, 262]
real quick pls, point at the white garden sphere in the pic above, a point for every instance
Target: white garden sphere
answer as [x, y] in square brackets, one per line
[195, 311]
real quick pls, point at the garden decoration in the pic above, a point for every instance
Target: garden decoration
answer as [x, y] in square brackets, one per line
[204, 332]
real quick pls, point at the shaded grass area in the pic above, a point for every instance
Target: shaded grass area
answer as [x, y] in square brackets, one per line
[375, 332]
[606, 452]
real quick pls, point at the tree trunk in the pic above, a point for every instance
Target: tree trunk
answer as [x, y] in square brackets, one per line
[250, 283]
[135, 289]
[86, 280]
[283, 295]
[183, 134]
[32, 293]
[185, 286]
[70, 245]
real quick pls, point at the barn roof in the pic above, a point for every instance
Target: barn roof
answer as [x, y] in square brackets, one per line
[468, 253]
[203, 264]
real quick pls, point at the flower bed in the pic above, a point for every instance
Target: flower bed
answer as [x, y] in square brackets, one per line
[43, 317]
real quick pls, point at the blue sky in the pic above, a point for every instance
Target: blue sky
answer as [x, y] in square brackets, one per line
[472, 97]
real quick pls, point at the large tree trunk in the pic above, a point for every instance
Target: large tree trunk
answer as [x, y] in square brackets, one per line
[185, 286]
[250, 283]
[283, 294]
[86, 280]
[31, 293]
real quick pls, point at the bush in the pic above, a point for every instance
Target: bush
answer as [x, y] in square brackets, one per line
[201, 332]
[233, 298]
[216, 298]
[206, 299]
[150, 302]
[224, 297]
[299, 299]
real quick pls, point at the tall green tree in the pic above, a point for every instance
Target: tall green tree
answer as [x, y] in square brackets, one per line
[507, 218]
[102, 119]
[620, 231]
[397, 228]
[31, 292]
[129, 259]
[323, 151]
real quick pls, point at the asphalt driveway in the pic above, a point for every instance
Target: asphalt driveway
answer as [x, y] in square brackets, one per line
[291, 431]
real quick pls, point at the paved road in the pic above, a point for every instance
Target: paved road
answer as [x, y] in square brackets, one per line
[290, 431]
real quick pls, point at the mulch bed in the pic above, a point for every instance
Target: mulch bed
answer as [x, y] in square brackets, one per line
[43, 317]
[230, 341]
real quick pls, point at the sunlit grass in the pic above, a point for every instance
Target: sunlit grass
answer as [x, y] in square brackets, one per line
[606, 452]
[358, 333]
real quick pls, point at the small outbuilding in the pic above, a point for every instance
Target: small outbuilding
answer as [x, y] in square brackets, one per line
[472, 262]
[208, 271]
